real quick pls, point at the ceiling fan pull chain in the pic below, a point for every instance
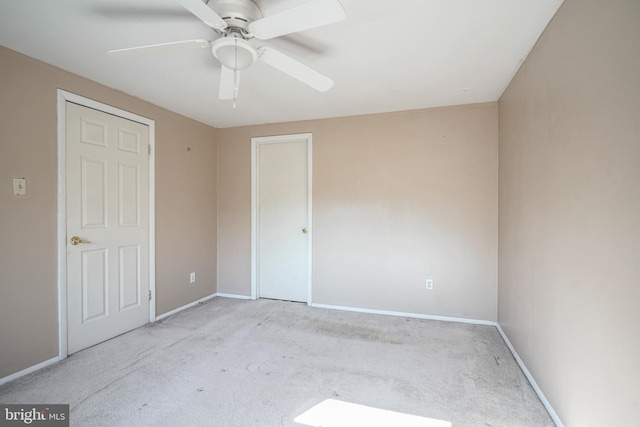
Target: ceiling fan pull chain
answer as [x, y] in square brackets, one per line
[235, 74]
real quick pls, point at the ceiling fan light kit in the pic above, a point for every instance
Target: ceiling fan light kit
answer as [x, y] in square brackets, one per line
[234, 53]
[239, 21]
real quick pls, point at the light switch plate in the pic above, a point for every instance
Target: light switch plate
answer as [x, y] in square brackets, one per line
[19, 186]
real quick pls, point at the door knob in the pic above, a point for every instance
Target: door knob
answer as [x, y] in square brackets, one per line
[305, 230]
[76, 240]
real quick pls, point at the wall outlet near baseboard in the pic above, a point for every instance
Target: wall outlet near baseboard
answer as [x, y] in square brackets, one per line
[429, 284]
[192, 277]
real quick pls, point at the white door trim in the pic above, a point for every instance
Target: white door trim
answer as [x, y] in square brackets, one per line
[63, 97]
[255, 142]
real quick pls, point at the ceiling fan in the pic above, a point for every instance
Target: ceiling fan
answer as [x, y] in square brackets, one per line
[238, 21]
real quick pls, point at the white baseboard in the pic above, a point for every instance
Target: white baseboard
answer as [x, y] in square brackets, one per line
[536, 388]
[29, 370]
[184, 307]
[234, 296]
[401, 314]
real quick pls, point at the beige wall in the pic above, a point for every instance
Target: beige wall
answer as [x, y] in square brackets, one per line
[185, 205]
[397, 198]
[570, 213]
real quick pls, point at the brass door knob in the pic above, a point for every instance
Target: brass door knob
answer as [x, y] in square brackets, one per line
[305, 230]
[76, 240]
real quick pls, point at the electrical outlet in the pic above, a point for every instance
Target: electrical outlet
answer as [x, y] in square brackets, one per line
[192, 277]
[429, 284]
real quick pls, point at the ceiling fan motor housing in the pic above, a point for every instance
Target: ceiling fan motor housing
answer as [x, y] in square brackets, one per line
[238, 14]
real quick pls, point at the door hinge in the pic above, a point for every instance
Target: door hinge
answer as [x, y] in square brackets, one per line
[149, 295]
[149, 148]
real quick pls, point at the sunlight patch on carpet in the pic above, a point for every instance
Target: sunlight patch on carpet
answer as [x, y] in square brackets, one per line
[335, 413]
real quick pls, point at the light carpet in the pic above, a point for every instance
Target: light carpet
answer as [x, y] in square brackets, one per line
[266, 363]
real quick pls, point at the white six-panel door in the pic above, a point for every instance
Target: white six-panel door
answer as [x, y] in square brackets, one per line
[107, 179]
[283, 217]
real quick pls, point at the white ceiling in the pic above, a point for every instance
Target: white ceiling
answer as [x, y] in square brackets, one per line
[386, 56]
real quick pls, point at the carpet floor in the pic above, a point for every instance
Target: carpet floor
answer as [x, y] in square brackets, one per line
[263, 363]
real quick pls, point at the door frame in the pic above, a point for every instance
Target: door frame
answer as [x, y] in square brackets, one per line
[255, 143]
[62, 98]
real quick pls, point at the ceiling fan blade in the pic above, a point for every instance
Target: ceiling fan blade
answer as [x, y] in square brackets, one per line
[229, 83]
[204, 13]
[202, 43]
[305, 17]
[295, 69]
